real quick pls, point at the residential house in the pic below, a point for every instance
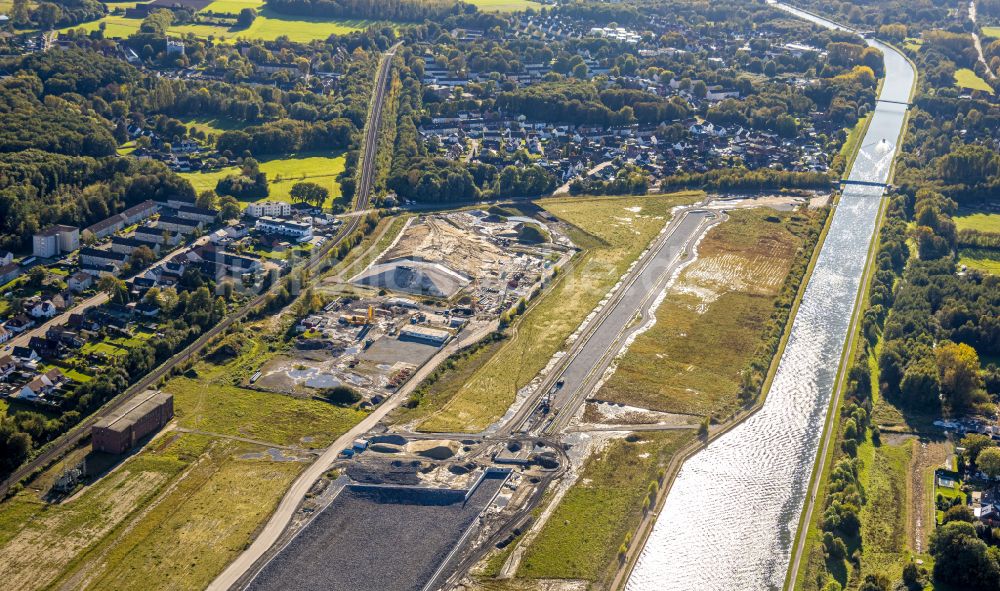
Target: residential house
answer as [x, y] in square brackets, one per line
[107, 226]
[269, 209]
[156, 235]
[7, 367]
[9, 272]
[224, 263]
[178, 224]
[80, 281]
[25, 356]
[19, 323]
[43, 385]
[127, 246]
[198, 214]
[93, 256]
[43, 309]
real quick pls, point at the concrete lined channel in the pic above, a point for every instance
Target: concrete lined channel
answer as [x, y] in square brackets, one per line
[730, 518]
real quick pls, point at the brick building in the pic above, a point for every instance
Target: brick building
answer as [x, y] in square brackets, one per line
[120, 432]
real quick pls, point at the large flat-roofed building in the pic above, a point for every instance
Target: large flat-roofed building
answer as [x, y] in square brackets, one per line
[298, 231]
[55, 240]
[425, 334]
[260, 209]
[118, 433]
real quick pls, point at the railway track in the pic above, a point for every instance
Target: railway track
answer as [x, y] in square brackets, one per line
[56, 449]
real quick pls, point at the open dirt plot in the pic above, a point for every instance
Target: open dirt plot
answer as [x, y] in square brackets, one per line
[374, 539]
[435, 239]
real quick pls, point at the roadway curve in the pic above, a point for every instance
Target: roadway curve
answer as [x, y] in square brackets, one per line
[72, 438]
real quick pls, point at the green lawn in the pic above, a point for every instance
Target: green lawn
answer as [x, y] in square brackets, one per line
[991, 32]
[613, 231]
[966, 78]
[211, 125]
[979, 221]
[987, 261]
[268, 26]
[582, 537]
[282, 174]
[504, 5]
[273, 418]
[232, 6]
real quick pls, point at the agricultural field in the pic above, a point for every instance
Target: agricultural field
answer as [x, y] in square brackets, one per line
[612, 231]
[966, 78]
[282, 174]
[582, 537]
[713, 318]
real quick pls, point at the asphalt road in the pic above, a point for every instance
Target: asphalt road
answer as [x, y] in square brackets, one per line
[605, 335]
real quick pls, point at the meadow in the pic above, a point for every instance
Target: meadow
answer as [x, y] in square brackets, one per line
[268, 26]
[966, 78]
[582, 537]
[282, 174]
[713, 318]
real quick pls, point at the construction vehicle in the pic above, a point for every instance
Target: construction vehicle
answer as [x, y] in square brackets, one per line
[359, 319]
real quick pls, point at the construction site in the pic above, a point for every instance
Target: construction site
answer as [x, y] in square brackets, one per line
[393, 491]
[483, 260]
[442, 275]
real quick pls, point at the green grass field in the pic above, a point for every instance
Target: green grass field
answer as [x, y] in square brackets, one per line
[884, 516]
[504, 5]
[979, 221]
[211, 125]
[273, 418]
[268, 26]
[581, 538]
[991, 32]
[980, 259]
[849, 151]
[913, 43]
[282, 174]
[613, 231]
[713, 318]
[233, 6]
[966, 78]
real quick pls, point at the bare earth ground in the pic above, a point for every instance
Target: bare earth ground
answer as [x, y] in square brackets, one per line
[434, 239]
